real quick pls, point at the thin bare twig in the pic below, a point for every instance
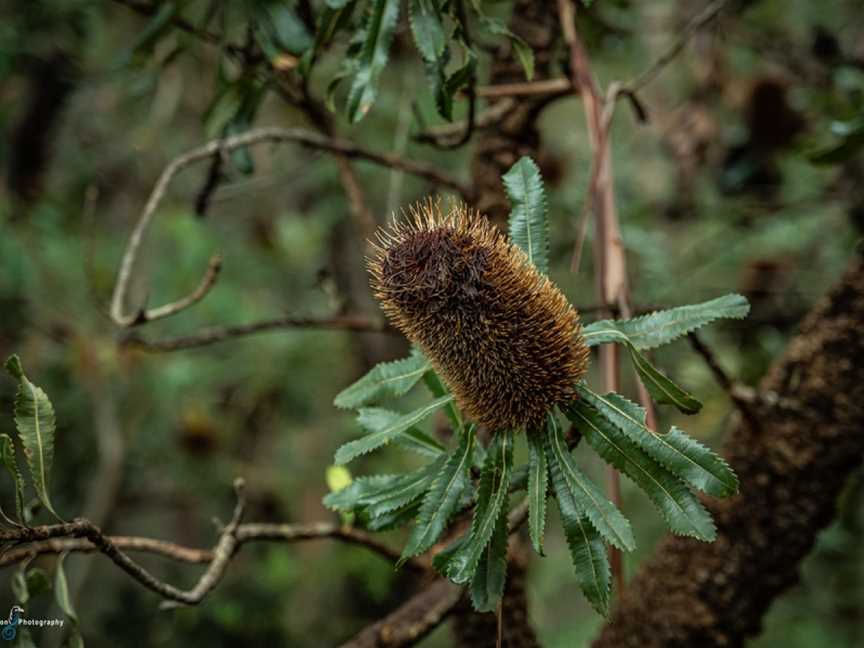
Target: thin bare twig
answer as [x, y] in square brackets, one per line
[561, 86]
[216, 334]
[485, 119]
[245, 533]
[343, 147]
[705, 16]
[733, 390]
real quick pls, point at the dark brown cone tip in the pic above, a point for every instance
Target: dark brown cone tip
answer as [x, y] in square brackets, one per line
[501, 335]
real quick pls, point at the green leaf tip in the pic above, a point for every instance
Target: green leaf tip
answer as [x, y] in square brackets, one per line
[386, 379]
[14, 367]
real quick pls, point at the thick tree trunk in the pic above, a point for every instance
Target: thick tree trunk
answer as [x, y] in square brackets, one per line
[792, 466]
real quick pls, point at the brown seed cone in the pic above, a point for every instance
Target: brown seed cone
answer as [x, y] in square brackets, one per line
[501, 335]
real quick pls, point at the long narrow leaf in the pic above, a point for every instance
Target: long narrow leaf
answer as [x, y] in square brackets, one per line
[442, 499]
[529, 228]
[587, 551]
[605, 517]
[384, 428]
[682, 511]
[381, 494]
[661, 327]
[491, 500]
[538, 481]
[661, 388]
[386, 379]
[681, 454]
[34, 419]
[379, 28]
[487, 587]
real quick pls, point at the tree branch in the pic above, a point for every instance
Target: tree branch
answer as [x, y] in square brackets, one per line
[342, 147]
[792, 468]
[216, 334]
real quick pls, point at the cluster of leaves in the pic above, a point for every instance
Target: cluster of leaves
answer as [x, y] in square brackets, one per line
[282, 40]
[35, 424]
[668, 467]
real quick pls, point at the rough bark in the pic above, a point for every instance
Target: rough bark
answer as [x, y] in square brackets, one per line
[792, 466]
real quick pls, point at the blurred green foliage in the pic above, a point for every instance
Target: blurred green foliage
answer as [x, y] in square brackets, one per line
[722, 208]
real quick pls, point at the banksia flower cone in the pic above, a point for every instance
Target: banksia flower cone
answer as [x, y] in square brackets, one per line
[501, 335]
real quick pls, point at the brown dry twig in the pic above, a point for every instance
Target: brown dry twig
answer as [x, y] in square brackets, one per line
[344, 148]
[82, 536]
[215, 334]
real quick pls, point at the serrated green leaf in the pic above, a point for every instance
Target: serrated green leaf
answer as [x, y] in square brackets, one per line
[587, 551]
[681, 454]
[661, 388]
[10, 460]
[442, 500]
[428, 31]
[380, 494]
[538, 482]
[390, 520]
[487, 586]
[376, 418]
[420, 442]
[379, 28]
[529, 228]
[427, 28]
[662, 327]
[602, 513]
[34, 419]
[491, 500]
[384, 428]
[681, 509]
[384, 380]
[443, 557]
[61, 594]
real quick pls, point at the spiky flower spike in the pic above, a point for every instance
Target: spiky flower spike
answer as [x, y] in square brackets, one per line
[499, 333]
